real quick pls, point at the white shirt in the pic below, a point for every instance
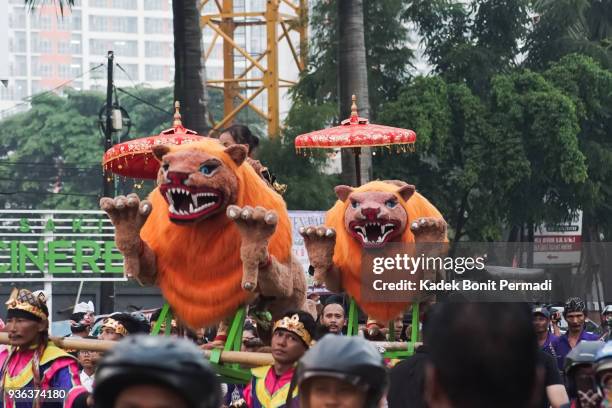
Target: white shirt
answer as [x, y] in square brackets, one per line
[87, 381]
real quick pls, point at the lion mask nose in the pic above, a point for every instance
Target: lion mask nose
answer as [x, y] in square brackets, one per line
[370, 213]
[177, 177]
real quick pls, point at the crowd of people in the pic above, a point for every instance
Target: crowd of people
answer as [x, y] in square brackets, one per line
[470, 355]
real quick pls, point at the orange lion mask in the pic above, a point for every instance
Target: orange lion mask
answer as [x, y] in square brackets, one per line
[213, 236]
[369, 216]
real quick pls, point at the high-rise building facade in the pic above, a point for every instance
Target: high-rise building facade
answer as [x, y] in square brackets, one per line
[46, 49]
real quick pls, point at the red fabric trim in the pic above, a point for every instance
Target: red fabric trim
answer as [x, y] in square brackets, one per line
[220, 337]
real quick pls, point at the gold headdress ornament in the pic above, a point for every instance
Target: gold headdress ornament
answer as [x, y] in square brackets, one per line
[32, 302]
[115, 325]
[293, 325]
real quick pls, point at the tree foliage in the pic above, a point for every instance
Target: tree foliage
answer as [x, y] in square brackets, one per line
[470, 41]
[309, 188]
[388, 55]
[51, 155]
[562, 27]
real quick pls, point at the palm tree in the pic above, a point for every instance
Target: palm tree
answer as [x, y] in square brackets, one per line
[188, 66]
[565, 26]
[353, 79]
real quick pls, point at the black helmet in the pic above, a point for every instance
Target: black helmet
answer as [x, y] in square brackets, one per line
[141, 359]
[351, 359]
[583, 354]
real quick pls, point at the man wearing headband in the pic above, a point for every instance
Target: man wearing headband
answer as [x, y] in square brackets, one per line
[272, 386]
[574, 313]
[118, 325]
[32, 362]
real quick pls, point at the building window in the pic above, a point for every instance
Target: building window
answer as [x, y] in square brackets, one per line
[40, 68]
[96, 73]
[157, 5]
[155, 73]
[64, 71]
[19, 66]
[130, 69]
[70, 21]
[76, 45]
[76, 67]
[157, 49]
[18, 42]
[117, 4]
[16, 90]
[41, 21]
[125, 24]
[40, 43]
[121, 47]
[37, 87]
[17, 18]
[113, 24]
[158, 25]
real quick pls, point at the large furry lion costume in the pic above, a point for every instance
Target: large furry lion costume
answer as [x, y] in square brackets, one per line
[213, 235]
[335, 250]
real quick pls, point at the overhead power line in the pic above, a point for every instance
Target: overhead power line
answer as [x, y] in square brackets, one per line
[30, 98]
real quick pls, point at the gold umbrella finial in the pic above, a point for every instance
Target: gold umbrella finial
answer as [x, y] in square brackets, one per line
[177, 115]
[354, 105]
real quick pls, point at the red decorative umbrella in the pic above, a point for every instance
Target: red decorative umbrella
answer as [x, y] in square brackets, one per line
[135, 159]
[355, 133]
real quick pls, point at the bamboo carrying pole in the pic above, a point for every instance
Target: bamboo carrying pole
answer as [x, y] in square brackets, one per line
[75, 343]
[230, 357]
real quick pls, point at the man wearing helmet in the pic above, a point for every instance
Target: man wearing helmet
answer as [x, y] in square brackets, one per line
[144, 371]
[341, 372]
[603, 373]
[574, 313]
[580, 375]
[606, 323]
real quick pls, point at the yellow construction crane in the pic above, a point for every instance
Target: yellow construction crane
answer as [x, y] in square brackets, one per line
[261, 76]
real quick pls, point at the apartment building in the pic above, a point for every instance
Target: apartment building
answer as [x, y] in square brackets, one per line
[46, 49]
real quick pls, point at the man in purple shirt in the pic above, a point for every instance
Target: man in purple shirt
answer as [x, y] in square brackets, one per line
[575, 315]
[541, 325]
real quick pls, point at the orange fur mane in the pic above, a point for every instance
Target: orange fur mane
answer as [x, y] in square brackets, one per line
[348, 253]
[199, 266]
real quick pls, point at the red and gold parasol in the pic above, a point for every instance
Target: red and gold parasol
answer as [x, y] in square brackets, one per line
[135, 159]
[355, 133]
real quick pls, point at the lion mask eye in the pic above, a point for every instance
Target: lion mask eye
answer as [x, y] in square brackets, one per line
[355, 204]
[392, 203]
[165, 166]
[208, 169]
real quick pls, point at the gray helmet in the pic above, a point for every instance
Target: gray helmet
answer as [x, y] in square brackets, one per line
[583, 353]
[350, 359]
[170, 362]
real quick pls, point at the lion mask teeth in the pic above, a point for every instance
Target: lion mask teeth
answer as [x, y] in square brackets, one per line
[183, 202]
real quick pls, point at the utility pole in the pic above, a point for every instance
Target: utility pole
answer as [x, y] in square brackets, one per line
[107, 289]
